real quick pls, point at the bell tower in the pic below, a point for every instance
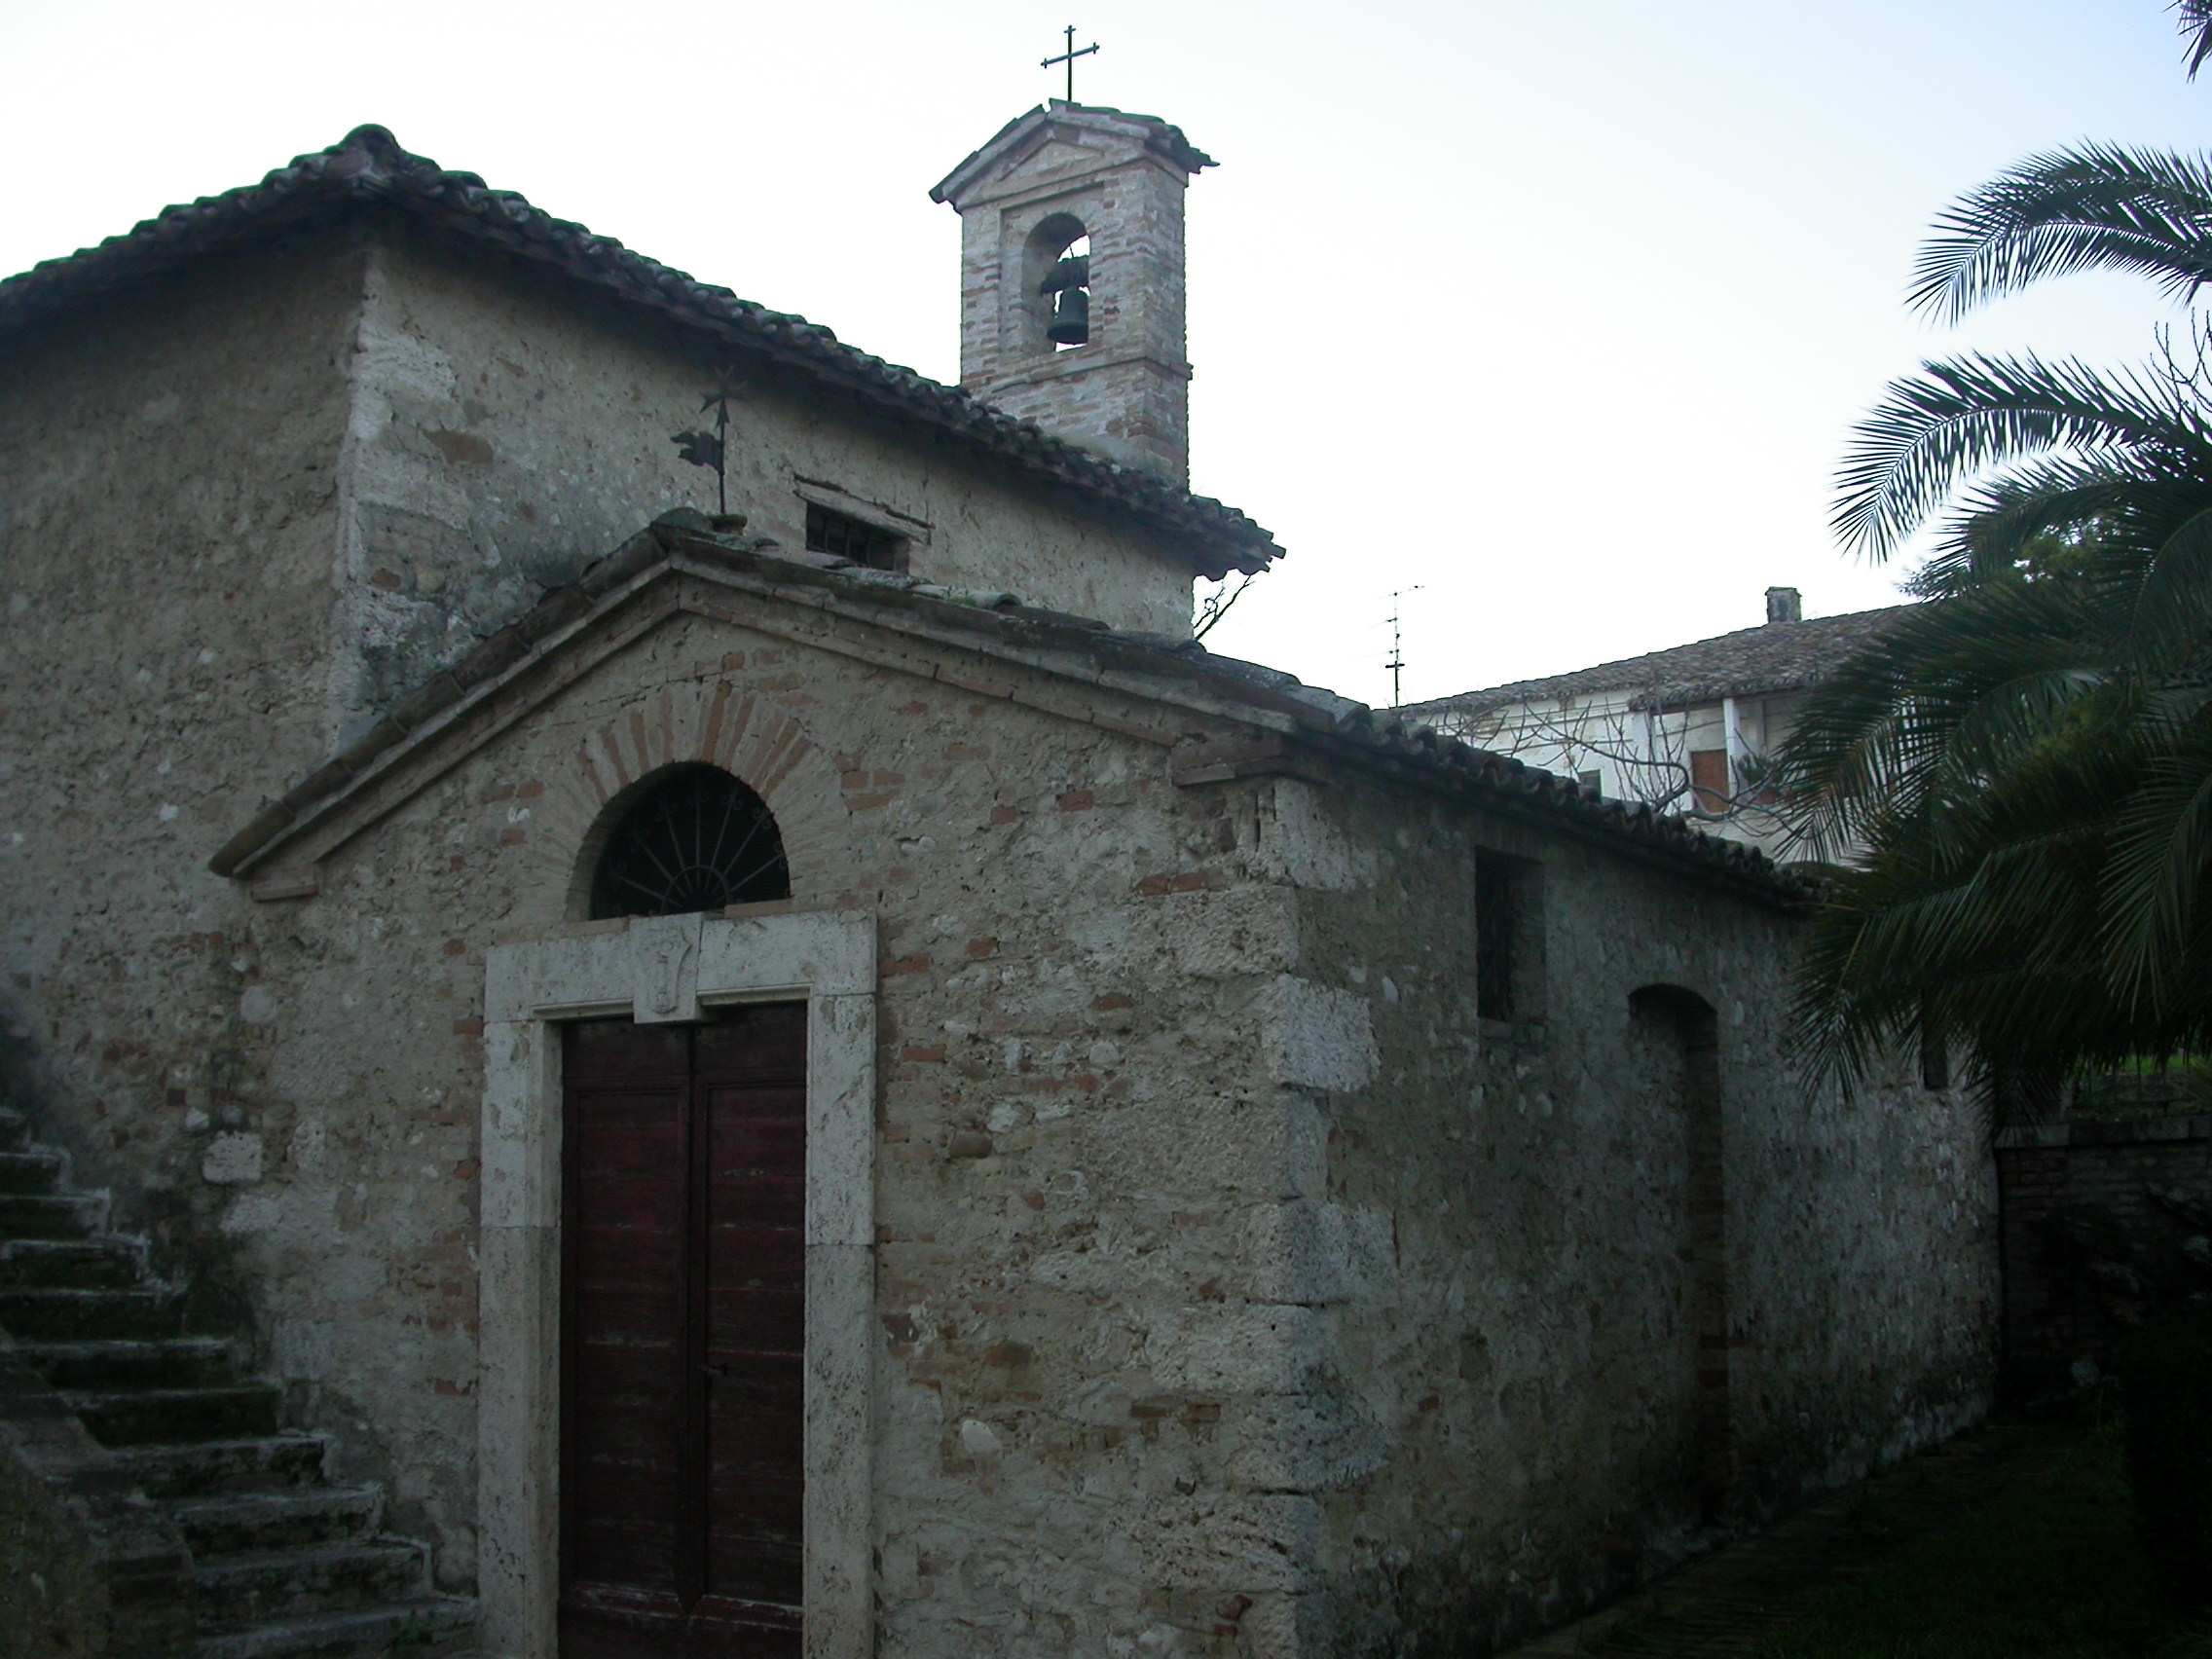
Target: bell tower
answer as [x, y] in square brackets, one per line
[1071, 279]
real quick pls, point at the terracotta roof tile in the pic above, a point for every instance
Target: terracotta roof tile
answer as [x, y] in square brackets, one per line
[1778, 656]
[369, 166]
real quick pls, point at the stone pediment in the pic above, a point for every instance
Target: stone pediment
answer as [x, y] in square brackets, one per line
[676, 566]
[1220, 718]
[1059, 157]
[1059, 139]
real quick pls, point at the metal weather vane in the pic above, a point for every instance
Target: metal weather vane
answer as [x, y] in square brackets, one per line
[1068, 58]
[711, 449]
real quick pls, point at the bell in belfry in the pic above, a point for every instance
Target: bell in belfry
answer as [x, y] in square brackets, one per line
[1071, 318]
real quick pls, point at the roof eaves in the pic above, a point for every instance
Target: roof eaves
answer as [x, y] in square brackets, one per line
[1141, 664]
[370, 164]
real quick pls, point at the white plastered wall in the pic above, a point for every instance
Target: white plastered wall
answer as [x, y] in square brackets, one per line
[657, 969]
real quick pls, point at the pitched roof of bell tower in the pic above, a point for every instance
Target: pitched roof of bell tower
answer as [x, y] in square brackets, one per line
[1088, 138]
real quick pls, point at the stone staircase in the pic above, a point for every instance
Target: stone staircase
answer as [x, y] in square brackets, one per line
[282, 1562]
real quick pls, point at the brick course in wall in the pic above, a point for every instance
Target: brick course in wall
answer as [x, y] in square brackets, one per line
[2060, 1328]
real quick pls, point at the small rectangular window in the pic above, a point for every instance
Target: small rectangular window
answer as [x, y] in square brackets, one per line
[829, 532]
[1935, 1063]
[1505, 937]
[1593, 783]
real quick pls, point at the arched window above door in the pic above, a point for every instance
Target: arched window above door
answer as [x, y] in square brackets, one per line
[696, 839]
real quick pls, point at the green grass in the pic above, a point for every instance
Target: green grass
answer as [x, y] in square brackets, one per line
[2050, 1570]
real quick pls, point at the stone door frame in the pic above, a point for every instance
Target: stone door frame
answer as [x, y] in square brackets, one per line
[657, 969]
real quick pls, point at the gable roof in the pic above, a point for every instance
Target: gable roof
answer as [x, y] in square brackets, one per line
[368, 165]
[1147, 132]
[1294, 727]
[1752, 662]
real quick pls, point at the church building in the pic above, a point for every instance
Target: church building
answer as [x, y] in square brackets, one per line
[634, 1032]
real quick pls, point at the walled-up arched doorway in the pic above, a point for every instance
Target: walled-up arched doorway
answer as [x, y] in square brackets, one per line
[1676, 1045]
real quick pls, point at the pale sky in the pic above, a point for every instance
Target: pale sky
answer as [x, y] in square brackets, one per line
[1558, 313]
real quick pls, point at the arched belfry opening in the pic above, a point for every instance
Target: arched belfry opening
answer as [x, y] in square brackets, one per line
[1677, 1038]
[693, 839]
[1072, 279]
[1058, 266]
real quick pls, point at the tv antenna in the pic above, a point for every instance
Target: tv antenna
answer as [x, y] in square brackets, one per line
[1397, 663]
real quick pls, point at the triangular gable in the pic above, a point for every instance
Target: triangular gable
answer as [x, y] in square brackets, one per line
[1108, 136]
[1058, 156]
[1221, 719]
[680, 566]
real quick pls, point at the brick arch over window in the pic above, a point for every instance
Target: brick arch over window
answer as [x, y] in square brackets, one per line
[708, 722]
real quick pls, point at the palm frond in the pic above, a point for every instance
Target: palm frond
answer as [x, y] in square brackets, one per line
[1937, 431]
[2173, 607]
[2020, 768]
[2162, 852]
[1999, 529]
[2195, 17]
[2090, 207]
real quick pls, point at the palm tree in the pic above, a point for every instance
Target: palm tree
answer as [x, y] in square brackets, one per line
[2026, 759]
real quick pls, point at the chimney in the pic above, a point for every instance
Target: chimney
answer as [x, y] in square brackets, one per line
[1785, 605]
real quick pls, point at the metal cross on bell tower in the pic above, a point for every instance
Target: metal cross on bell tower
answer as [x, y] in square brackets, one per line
[1068, 58]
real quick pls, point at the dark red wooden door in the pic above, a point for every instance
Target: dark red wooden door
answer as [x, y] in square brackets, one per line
[684, 1322]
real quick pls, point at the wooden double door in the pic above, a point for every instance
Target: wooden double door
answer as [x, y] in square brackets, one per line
[683, 1327]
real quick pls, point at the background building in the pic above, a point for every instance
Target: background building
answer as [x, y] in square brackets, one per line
[1688, 730]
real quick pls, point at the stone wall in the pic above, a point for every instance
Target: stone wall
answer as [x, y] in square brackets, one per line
[88, 1568]
[2086, 1241]
[167, 519]
[1499, 1417]
[1069, 1111]
[1237, 1283]
[507, 429]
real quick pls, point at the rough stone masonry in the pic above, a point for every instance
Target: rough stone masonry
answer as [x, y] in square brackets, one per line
[1278, 1183]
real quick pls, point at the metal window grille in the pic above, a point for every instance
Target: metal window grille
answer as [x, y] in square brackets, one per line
[829, 532]
[697, 841]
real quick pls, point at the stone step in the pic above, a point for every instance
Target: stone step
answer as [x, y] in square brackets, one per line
[149, 1311]
[266, 1464]
[82, 1263]
[370, 1633]
[14, 1130]
[116, 1364]
[237, 1522]
[145, 1417]
[52, 1215]
[34, 1170]
[241, 1590]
